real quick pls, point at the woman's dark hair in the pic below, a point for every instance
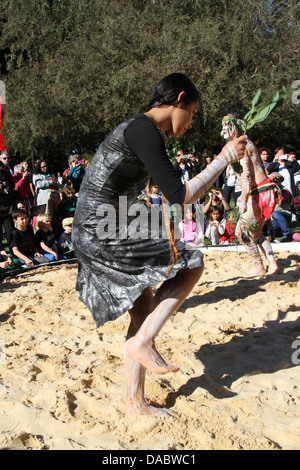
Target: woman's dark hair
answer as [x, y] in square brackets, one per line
[38, 169]
[167, 90]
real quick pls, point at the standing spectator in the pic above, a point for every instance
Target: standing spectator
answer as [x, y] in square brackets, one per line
[231, 185]
[207, 159]
[284, 167]
[279, 151]
[193, 166]
[6, 159]
[7, 197]
[178, 156]
[22, 179]
[76, 172]
[294, 164]
[217, 200]
[184, 171]
[264, 155]
[26, 170]
[43, 183]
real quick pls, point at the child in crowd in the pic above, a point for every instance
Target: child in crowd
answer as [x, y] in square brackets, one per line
[7, 261]
[65, 245]
[22, 241]
[216, 226]
[34, 212]
[155, 197]
[68, 202]
[44, 239]
[191, 231]
[229, 231]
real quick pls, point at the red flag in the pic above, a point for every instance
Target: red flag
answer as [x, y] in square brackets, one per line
[2, 146]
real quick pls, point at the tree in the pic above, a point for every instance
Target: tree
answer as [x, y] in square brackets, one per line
[74, 69]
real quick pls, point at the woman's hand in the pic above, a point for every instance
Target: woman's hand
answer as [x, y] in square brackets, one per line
[234, 150]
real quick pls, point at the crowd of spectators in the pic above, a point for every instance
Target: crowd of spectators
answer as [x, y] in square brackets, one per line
[36, 212]
[218, 224]
[37, 207]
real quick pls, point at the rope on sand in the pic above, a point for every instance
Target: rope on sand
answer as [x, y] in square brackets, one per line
[31, 271]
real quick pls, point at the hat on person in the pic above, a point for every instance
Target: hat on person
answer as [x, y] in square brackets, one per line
[67, 221]
[283, 157]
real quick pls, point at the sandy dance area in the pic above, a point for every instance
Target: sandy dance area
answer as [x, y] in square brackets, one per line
[62, 381]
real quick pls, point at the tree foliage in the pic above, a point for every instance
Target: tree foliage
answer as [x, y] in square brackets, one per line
[74, 69]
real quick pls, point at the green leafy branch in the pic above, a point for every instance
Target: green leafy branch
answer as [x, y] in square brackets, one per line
[260, 111]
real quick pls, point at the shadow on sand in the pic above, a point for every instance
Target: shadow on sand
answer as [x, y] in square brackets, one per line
[259, 350]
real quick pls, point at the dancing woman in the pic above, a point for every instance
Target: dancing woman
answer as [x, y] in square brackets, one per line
[116, 273]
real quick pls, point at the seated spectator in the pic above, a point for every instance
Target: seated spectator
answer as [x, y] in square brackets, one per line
[53, 209]
[34, 212]
[65, 244]
[190, 230]
[154, 198]
[76, 172]
[216, 226]
[229, 231]
[68, 202]
[7, 261]
[295, 203]
[44, 239]
[282, 216]
[22, 241]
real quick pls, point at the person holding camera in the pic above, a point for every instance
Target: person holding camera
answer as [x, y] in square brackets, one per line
[76, 172]
[217, 200]
[7, 196]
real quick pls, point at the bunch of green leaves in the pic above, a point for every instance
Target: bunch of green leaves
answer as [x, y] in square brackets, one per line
[260, 110]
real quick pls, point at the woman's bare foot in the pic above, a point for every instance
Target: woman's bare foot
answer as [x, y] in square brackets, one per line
[144, 409]
[273, 268]
[147, 355]
[257, 270]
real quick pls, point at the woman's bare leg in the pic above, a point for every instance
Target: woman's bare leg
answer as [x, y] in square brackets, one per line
[168, 298]
[140, 351]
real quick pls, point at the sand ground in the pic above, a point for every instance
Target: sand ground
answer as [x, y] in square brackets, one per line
[62, 381]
